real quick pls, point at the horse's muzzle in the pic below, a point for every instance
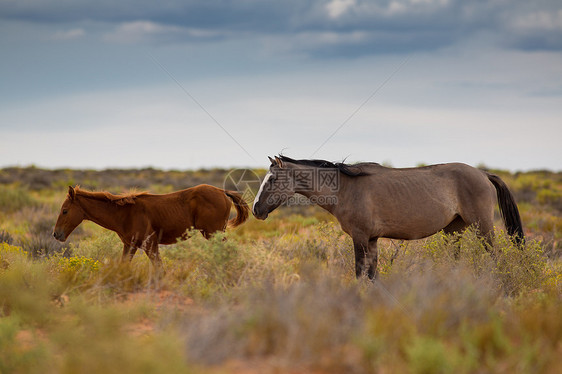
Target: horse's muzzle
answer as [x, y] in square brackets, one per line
[59, 235]
[260, 215]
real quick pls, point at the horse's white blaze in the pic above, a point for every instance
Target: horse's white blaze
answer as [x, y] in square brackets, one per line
[267, 176]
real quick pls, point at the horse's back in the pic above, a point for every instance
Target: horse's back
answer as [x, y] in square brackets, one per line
[203, 207]
[416, 202]
[466, 193]
[435, 180]
[468, 183]
[211, 208]
[205, 195]
[447, 178]
[200, 200]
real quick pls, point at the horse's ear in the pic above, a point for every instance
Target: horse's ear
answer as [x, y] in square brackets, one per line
[279, 162]
[71, 193]
[271, 160]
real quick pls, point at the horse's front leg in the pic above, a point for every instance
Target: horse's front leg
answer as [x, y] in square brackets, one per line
[360, 248]
[366, 257]
[129, 250]
[372, 258]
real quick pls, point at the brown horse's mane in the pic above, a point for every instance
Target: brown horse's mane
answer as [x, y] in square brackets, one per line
[121, 199]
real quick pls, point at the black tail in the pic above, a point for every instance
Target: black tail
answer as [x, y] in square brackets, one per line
[508, 209]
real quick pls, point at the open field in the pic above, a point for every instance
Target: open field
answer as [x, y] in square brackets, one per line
[278, 296]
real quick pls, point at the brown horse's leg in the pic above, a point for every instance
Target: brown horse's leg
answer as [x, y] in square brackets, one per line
[128, 252]
[153, 253]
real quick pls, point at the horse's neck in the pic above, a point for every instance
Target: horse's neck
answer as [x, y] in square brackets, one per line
[323, 191]
[103, 213]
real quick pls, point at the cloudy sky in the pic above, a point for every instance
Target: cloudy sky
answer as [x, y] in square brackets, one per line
[191, 84]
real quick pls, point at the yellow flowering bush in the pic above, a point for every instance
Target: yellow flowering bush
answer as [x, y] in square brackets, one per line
[9, 253]
[76, 269]
[80, 263]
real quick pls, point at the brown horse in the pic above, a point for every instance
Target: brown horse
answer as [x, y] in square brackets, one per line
[371, 201]
[144, 220]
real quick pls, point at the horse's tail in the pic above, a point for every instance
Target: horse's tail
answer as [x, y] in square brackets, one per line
[508, 209]
[242, 209]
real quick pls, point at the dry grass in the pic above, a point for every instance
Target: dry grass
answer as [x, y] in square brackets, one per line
[279, 296]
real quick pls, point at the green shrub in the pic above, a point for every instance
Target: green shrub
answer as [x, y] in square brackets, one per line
[17, 355]
[518, 269]
[208, 267]
[427, 355]
[514, 269]
[26, 287]
[115, 279]
[14, 198]
[306, 322]
[102, 246]
[97, 340]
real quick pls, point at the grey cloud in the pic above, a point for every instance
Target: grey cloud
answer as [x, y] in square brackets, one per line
[539, 28]
[322, 28]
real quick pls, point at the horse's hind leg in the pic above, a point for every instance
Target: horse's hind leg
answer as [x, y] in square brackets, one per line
[457, 226]
[153, 254]
[484, 225]
[486, 232]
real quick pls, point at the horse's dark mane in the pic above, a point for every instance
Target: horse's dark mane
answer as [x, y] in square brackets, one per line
[355, 170]
[121, 199]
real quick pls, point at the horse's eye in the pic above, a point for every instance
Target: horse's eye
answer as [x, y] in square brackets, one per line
[64, 211]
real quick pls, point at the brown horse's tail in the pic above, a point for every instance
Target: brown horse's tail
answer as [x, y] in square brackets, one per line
[242, 209]
[508, 209]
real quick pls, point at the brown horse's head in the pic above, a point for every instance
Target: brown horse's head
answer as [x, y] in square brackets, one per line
[70, 216]
[276, 188]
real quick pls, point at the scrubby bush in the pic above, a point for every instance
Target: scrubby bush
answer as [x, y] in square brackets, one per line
[440, 307]
[5, 237]
[42, 245]
[14, 198]
[277, 295]
[306, 322]
[76, 270]
[25, 288]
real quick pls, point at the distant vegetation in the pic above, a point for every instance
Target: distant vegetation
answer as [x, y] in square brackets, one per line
[275, 296]
[36, 179]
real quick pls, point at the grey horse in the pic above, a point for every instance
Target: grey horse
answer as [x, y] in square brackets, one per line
[371, 201]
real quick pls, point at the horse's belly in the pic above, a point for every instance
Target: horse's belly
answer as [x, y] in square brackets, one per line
[171, 237]
[411, 226]
[410, 235]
